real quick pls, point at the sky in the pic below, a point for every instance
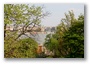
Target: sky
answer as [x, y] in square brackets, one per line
[57, 12]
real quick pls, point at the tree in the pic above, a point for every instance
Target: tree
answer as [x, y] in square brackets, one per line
[68, 40]
[74, 39]
[24, 48]
[51, 43]
[62, 28]
[22, 15]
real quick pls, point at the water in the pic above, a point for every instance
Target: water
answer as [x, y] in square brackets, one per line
[39, 37]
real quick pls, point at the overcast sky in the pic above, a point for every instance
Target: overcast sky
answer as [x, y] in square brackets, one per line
[57, 11]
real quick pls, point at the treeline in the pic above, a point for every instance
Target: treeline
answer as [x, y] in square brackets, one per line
[68, 40]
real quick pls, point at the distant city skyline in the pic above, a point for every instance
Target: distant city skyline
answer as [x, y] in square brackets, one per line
[57, 11]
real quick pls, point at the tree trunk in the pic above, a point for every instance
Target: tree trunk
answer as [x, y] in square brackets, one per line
[5, 30]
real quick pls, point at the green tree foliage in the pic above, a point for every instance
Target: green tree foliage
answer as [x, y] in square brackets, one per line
[22, 15]
[24, 48]
[51, 43]
[74, 39]
[68, 40]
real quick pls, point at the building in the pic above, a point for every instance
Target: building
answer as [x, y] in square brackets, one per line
[10, 28]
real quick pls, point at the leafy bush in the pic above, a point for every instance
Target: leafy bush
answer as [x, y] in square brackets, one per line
[24, 48]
